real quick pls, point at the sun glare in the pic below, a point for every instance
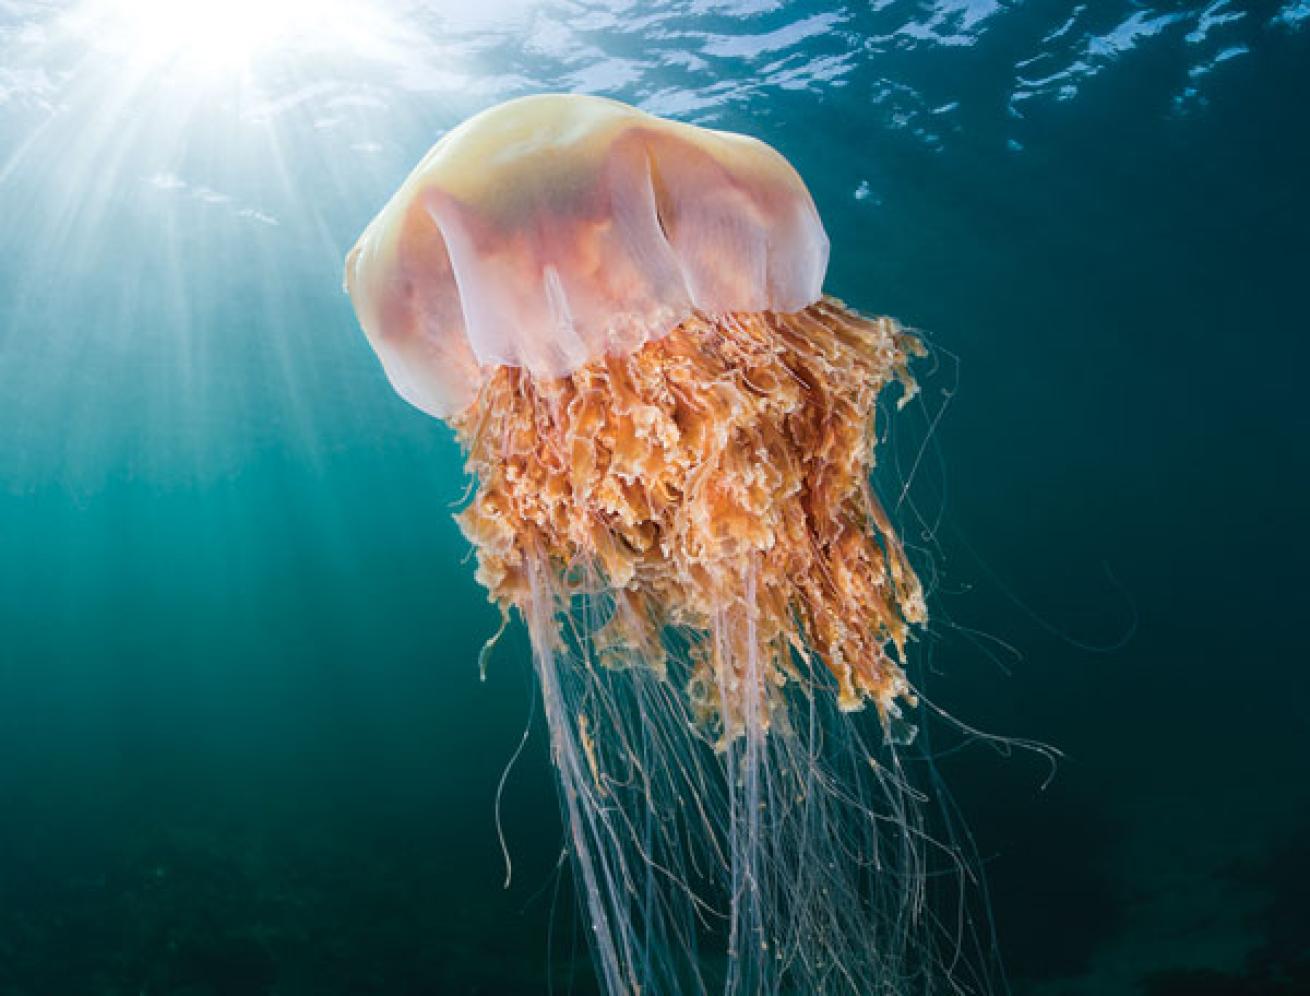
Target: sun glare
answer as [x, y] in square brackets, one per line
[200, 35]
[214, 30]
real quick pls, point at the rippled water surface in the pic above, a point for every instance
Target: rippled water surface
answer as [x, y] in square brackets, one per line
[243, 743]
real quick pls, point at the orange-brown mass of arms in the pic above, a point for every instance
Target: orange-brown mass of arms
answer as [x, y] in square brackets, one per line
[715, 481]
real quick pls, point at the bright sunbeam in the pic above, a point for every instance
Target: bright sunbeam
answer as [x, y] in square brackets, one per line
[164, 162]
[167, 159]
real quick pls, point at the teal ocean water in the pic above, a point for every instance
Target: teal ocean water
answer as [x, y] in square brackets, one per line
[244, 747]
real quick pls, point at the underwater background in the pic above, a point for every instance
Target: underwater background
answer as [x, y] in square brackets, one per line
[244, 747]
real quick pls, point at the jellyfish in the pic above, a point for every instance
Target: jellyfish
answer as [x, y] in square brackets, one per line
[671, 431]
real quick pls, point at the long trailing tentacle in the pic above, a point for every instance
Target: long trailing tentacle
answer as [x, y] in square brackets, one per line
[711, 588]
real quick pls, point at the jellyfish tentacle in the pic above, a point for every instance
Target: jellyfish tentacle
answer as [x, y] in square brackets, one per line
[723, 582]
[586, 820]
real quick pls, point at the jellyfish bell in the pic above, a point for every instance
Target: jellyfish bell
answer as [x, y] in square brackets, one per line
[551, 230]
[672, 431]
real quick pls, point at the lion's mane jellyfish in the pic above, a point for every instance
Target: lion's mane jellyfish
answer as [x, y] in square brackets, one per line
[672, 432]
